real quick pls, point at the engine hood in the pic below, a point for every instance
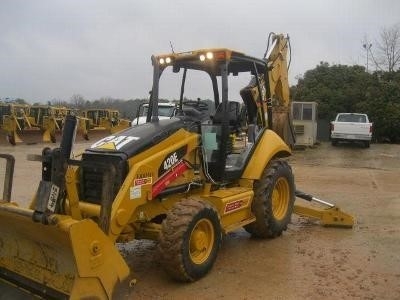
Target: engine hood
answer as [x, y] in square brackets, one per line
[137, 139]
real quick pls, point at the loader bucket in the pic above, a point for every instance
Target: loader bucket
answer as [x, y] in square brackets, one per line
[48, 136]
[71, 259]
[13, 138]
[9, 137]
[31, 136]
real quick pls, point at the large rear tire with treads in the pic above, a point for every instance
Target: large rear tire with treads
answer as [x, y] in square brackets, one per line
[274, 195]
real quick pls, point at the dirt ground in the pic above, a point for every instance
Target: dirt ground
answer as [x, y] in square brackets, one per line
[306, 262]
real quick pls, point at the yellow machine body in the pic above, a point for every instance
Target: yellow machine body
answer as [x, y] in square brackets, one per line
[183, 181]
[72, 257]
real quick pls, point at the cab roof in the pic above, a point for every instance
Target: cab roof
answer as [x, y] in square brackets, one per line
[209, 59]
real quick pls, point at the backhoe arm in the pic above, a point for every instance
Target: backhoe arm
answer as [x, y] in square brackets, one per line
[276, 57]
[278, 86]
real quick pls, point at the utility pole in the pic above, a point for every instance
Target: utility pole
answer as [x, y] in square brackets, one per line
[367, 47]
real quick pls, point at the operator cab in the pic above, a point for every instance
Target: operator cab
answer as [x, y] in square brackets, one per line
[228, 125]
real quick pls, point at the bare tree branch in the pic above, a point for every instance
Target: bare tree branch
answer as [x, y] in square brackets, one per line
[77, 101]
[387, 55]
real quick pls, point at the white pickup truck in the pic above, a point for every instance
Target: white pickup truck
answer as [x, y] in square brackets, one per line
[351, 127]
[165, 111]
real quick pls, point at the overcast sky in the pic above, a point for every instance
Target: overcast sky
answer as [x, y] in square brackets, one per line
[54, 49]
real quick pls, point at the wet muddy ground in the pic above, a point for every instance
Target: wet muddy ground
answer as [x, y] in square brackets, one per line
[306, 262]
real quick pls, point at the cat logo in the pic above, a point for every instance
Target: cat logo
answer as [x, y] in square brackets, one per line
[113, 142]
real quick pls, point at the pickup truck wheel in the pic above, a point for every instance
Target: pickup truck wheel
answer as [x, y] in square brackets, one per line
[334, 142]
[273, 201]
[366, 144]
[190, 239]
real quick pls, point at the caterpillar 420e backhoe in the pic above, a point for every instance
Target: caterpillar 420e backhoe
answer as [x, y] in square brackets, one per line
[183, 181]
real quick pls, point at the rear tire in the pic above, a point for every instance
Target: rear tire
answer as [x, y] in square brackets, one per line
[366, 144]
[274, 195]
[190, 239]
[334, 142]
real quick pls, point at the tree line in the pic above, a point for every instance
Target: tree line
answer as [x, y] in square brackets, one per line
[336, 88]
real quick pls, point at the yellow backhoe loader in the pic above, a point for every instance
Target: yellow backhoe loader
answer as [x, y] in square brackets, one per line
[183, 181]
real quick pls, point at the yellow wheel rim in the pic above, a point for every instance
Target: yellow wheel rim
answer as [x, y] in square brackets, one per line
[280, 198]
[201, 241]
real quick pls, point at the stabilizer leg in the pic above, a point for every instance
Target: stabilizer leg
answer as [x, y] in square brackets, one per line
[331, 216]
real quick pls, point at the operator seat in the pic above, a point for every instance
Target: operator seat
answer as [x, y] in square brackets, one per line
[233, 115]
[250, 101]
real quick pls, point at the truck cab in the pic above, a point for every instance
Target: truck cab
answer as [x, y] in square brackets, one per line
[165, 111]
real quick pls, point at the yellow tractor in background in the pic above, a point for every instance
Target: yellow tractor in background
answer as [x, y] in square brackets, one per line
[23, 122]
[14, 120]
[105, 119]
[50, 119]
[182, 181]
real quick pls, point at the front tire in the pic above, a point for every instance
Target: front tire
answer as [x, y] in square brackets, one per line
[190, 239]
[274, 195]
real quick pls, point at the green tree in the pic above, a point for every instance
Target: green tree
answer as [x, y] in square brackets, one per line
[335, 88]
[20, 101]
[382, 104]
[341, 88]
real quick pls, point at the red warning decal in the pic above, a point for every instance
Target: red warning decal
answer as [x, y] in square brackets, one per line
[143, 181]
[232, 206]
